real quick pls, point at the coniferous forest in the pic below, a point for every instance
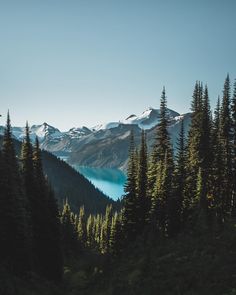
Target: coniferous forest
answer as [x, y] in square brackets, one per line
[175, 232]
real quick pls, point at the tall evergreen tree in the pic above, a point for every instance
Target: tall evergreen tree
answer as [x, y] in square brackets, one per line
[116, 235]
[90, 231]
[162, 146]
[226, 135]
[193, 149]
[98, 228]
[161, 169]
[27, 169]
[179, 182]
[106, 230]
[129, 221]
[143, 203]
[69, 232]
[46, 227]
[205, 151]
[14, 219]
[234, 151]
[217, 166]
[82, 226]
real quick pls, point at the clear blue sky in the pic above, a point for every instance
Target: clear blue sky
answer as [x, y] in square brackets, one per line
[83, 62]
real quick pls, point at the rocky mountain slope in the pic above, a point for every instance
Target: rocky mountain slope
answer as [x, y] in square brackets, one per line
[105, 145]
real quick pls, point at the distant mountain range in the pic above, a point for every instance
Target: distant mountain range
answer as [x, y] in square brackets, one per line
[105, 145]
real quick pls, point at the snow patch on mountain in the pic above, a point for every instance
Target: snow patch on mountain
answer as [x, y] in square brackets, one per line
[147, 120]
[78, 132]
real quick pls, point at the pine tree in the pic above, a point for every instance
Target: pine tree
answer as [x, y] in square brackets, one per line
[46, 227]
[193, 149]
[115, 242]
[162, 197]
[179, 182]
[98, 228]
[69, 233]
[82, 230]
[225, 133]
[234, 151]
[161, 169]
[106, 230]
[162, 144]
[90, 231]
[129, 221]
[27, 169]
[216, 193]
[205, 151]
[14, 218]
[143, 203]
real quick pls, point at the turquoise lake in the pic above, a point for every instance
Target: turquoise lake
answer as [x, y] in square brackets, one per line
[110, 181]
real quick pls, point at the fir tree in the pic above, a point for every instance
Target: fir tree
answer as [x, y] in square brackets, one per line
[162, 196]
[179, 182]
[46, 227]
[14, 218]
[27, 169]
[90, 232]
[161, 169]
[205, 151]
[225, 133]
[129, 221]
[69, 233]
[143, 203]
[162, 146]
[98, 228]
[193, 149]
[106, 230]
[82, 227]
[116, 235]
[216, 193]
[234, 151]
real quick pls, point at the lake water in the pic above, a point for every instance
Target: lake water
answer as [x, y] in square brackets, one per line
[110, 181]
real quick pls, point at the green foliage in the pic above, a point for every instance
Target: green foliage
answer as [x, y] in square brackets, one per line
[129, 217]
[82, 227]
[106, 231]
[30, 229]
[14, 216]
[177, 206]
[143, 202]
[233, 128]
[225, 137]
[69, 231]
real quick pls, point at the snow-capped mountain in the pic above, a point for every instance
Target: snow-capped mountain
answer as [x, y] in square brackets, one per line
[78, 132]
[42, 131]
[105, 145]
[147, 120]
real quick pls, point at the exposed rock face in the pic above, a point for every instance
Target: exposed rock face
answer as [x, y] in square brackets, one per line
[104, 145]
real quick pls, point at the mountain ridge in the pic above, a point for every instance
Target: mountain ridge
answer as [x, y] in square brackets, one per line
[104, 145]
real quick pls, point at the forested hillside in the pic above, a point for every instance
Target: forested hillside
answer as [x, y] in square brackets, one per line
[70, 184]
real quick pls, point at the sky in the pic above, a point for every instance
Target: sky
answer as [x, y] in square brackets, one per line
[72, 63]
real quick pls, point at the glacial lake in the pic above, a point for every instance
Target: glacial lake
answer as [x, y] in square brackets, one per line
[109, 180]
